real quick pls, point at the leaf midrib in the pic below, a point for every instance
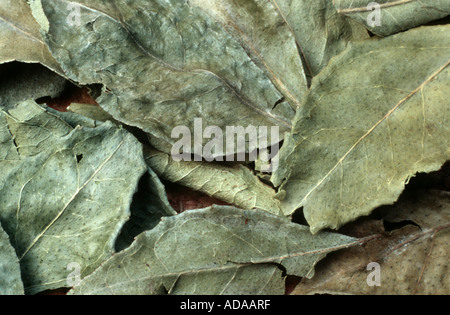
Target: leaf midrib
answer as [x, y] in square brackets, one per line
[369, 132]
[365, 9]
[20, 30]
[72, 198]
[236, 265]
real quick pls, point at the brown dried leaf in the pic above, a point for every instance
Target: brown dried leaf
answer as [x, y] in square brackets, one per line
[413, 259]
[20, 39]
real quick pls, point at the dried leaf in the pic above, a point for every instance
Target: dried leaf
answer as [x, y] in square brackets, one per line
[266, 37]
[387, 17]
[10, 279]
[20, 39]
[78, 190]
[90, 111]
[63, 190]
[321, 33]
[235, 185]
[218, 250]
[372, 120]
[412, 259]
[159, 57]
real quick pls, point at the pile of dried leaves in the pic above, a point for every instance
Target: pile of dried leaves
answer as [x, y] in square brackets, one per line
[89, 193]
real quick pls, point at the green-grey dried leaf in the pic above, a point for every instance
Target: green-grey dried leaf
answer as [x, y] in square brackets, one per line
[394, 15]
[217, 250]
[377, 115]
[267, 38]
[321, 33]
[74, 120]
[65, 192]
[20, 39]
[160, 57]
[235, 185]
[90, 111]
[10, 278]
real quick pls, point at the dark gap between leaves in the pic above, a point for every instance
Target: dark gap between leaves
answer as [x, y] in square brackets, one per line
[439, 180]
[140, 134]
[281, 100]
[371, 34]
[308, 72]
[391, 226]
[15, 144]
[299, 217]
[291, 283]
[443, 21]
[33, 80]
[135, 225]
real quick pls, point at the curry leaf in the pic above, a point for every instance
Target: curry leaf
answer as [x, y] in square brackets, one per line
[64, 191]
[412, 259]
[10, 279]
[320, 32]
[229, 251]
[20, 39]
[160, 57]
[90, 111]
[372, 120]
[235, 185]
[358, 117]
[266, 37]
[387, 17]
